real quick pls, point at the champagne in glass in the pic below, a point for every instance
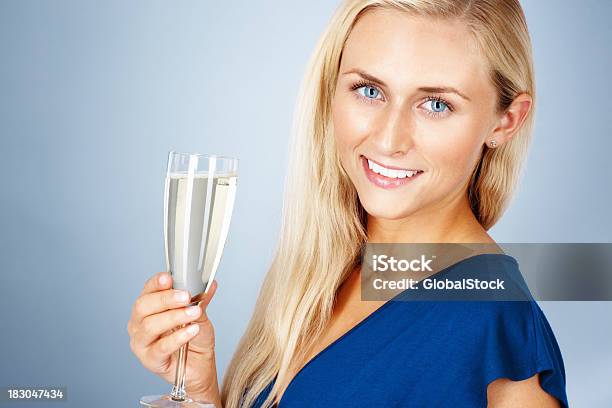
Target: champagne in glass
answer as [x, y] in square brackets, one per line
[198, 202]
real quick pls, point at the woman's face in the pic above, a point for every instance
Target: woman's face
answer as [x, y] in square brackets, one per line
[412, 94]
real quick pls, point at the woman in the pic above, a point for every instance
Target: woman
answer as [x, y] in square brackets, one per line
[412, 123]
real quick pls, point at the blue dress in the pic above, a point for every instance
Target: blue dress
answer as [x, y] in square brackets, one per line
[424, 353]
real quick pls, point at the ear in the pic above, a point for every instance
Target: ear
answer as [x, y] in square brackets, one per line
[510, 121]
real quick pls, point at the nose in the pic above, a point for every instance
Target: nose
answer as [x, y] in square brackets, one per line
[395, 133]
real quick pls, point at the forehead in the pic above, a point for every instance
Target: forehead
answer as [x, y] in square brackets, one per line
[405, 50]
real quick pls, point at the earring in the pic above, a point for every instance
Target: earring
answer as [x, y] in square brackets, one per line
[493, 143]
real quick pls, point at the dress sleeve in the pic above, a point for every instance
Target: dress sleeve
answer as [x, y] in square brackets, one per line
[520, 343]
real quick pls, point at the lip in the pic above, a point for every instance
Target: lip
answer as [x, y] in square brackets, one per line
[384, 181]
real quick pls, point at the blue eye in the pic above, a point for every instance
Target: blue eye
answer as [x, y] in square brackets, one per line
[438, 106]
[370, 92]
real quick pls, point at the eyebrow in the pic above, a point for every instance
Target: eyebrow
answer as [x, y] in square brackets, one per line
[433, 89]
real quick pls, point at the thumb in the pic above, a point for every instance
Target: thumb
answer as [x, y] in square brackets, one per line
[205, 301]
[205, 339]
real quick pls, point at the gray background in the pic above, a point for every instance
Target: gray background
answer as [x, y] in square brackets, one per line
[94, 94]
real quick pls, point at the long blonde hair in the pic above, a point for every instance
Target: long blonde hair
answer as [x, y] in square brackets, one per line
[323, 223]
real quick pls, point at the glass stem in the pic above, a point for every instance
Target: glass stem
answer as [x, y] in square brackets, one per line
[178, 390]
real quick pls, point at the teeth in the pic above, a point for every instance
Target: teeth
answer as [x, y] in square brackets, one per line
[391, 173]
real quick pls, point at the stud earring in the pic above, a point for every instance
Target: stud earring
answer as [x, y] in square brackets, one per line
[493, 143]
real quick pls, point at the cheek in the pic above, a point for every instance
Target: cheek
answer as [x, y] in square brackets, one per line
[351, 125]
[456, 150]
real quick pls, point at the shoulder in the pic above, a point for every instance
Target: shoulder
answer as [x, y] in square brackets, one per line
[520, 354]
[506, 347]
[506, 350]
[527, 393]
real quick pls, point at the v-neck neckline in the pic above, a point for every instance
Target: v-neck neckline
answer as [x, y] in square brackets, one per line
[330, 345]
[369, 317]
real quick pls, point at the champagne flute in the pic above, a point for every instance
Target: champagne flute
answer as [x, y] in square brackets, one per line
[198, 202]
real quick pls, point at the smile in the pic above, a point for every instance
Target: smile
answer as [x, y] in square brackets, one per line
[387, 176]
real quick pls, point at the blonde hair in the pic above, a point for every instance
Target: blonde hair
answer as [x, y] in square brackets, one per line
[323, 223]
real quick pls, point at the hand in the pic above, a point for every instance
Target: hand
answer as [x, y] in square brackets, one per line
[155, 336]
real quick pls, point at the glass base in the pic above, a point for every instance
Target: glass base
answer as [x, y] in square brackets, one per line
[166, 401]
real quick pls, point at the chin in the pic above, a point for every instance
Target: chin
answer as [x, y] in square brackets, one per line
[385, 209]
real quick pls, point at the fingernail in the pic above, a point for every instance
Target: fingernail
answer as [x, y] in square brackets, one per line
[181, 296]
[192, 311]
[163, 279]
[193, 329]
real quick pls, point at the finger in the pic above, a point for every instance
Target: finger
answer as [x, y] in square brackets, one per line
[157, 302]
[207, 297]
[203, 304]
[152, 327]
[159, 281]
[169, 344]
